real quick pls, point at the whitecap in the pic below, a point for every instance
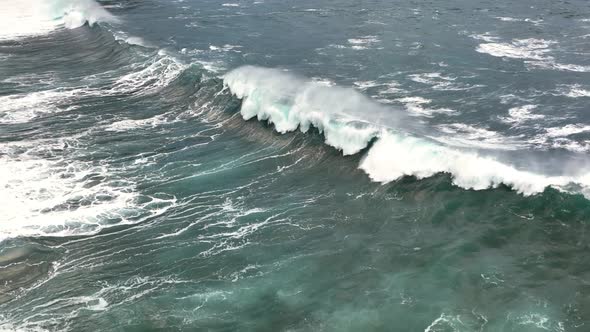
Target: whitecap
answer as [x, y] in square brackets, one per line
[417, 106]
[21, 108]
[362, 43]
[520, 114]
[567, 130]
[464, 135]
[531, 48]
[573, 91]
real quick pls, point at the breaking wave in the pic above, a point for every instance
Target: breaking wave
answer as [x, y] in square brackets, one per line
[350, 122]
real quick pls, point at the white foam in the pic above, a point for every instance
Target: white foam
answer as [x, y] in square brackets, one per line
[79, 12]
[363, 40]
[25, 107]
[109, 296]
[518, 115]
[55, 196]
[157, 74]
[527, 20]
[32, 79]
[136, 41]
[487, 37]
[508, 19]
[577, 92]
[350, 121]
[539, 321]
[562, 66]
[573, 91]
[533, 49]
[570, 129]
[130, 124]
[417, 106]
[391, 88]
[430, 78]
[535, 52]
[385, 88]
[20, 108]
[225, 48]
[394, 156]
[364, 85]
[571, 145]
[362, 43]
[465, 135]
[558, 138]
[323, 81]
[467, 321]
[212, 66]
[291, 103]
[7, 326]
[440, 82]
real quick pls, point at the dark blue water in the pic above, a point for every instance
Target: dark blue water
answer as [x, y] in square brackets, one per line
[415, 166]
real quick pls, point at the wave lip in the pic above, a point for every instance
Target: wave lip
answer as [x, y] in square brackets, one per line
[348, 123]
[394, 156]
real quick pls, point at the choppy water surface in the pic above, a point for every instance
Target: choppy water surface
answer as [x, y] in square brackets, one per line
[417, 166]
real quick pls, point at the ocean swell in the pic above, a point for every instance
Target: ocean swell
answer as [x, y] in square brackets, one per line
[350, 121]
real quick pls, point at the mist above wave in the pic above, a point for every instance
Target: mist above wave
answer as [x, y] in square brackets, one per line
[25, 18]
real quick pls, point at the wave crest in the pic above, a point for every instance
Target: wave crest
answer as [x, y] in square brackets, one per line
[289, 103]
[76, 13]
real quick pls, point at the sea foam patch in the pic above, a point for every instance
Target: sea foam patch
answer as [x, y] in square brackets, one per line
[45, 193]
[535, 52]
[520, 114]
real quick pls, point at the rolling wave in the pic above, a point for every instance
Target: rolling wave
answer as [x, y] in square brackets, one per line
[350, 122]
[65, 197]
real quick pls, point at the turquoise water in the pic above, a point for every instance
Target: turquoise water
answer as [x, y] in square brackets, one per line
[294, 166]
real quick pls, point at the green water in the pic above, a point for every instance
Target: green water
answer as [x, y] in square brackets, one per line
[134, 196]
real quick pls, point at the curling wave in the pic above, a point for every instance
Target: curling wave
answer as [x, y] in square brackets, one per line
[350, 121]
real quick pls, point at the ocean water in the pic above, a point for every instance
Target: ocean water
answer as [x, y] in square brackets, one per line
[281, 165]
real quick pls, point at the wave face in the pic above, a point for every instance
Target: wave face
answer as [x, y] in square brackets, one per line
[289, 103]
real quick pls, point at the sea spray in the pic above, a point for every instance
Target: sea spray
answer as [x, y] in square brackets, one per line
[27, 18]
